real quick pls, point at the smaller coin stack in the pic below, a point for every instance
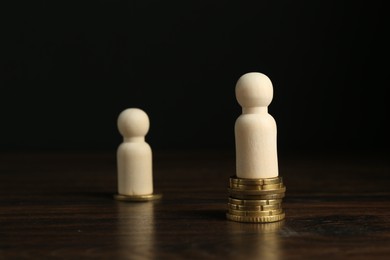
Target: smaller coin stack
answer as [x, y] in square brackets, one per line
[256, 200]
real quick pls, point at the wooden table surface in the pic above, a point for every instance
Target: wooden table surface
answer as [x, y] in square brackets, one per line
[59, 205]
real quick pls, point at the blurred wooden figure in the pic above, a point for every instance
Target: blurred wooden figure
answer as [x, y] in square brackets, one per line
[134, 158]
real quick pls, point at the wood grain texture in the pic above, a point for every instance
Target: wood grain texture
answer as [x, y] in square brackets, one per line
[60, 206]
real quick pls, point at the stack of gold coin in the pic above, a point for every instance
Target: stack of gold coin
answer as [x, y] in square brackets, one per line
[255, 200]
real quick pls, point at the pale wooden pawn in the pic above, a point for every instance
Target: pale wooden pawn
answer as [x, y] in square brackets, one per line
[134, 155]
[255, 129]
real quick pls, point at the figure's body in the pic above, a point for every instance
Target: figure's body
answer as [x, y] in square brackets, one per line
[134, 155]
[255, 129]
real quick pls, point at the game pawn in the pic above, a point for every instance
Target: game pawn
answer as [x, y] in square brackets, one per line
[256, 191]
[134, 158]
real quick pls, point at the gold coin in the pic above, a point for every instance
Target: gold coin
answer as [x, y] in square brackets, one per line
[254, 202]
[256, 187]
[254, 208]
[255, 213]
[261, 219]
[257, 192]
[135, 198]
[261, 181]
[257, 197]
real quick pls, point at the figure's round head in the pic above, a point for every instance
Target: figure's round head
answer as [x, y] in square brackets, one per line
[133, 122]
[254, 89]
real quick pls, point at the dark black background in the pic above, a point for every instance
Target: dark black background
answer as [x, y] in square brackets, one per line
[68, 68]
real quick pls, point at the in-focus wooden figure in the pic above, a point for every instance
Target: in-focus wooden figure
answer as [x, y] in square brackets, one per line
[255, 129]
[134, 158]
